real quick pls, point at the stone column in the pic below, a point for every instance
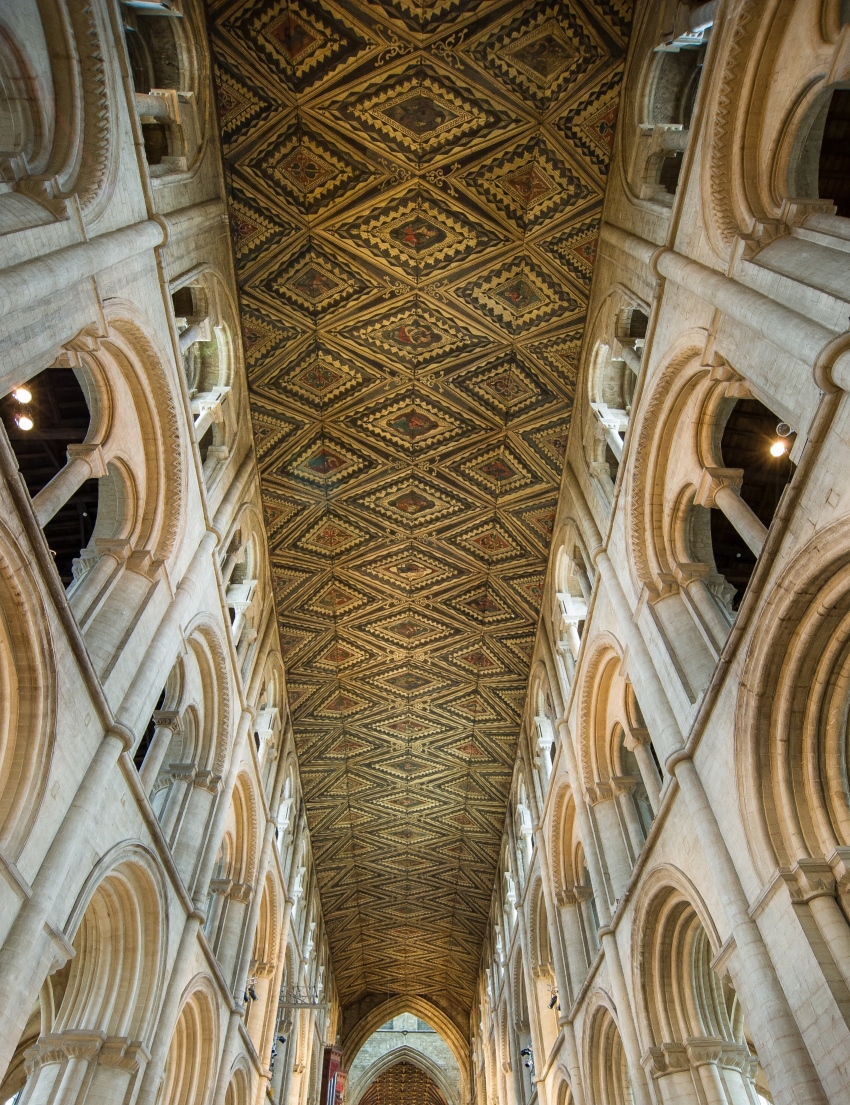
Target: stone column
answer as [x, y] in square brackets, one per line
[637, 741]
[167, 723]
[198, 331]
[720, 487]
[723, 1069]
[812, 886]
[29, 282]
[187, 849]
[161, 104]
[219, 894]
[241, 894]
[182, 776]
[159, 657]
[669, 1068]
[241, 968]
[631, 358]
[714, 624]
[624, 786]
[609, 837]
[576, 951]
[84, 462]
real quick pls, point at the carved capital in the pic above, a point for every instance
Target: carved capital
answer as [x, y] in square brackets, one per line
[713, 480]
[168, 719]
[241, 892]
[810, 879]
[92, 455]
[208, 780]
[127, 1055]
[599, 792]
[667, 1059]
[635, 736]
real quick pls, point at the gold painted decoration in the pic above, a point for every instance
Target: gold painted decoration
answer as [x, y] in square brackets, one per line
[415, 191]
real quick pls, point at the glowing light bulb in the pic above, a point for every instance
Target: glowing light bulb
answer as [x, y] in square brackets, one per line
[778, 448]
[24, 422]
[22, 394]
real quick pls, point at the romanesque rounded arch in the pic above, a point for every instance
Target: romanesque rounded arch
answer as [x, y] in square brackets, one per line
[650, 555]
[60, 136]
[191, 1063]
[28, 698]
[600, 671]
[793, 708]
[208, 651]
[606, 1075]
[245, 830]
[141, 360]
[239, 1087]
[562, 831]
[119, 929]
[668, 899]
[776, 125]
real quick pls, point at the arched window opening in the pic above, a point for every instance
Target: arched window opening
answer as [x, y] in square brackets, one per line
[47, 432]
[164, 104]
[821, 167]
[573, 596]
[744, 493]
[613, 380]
[834, 154]
[241, 594]
[670, 101]
[21, 128]
[608, 1073]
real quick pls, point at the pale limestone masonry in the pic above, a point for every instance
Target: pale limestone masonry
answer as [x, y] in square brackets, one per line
[670, 918]
[669, 922]
[140, 904]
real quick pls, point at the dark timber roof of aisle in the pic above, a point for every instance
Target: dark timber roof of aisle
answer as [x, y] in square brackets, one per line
[415, 189]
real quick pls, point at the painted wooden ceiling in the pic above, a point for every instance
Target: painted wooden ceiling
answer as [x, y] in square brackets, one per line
[415, 188]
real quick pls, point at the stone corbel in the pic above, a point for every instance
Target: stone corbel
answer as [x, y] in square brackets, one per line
[564, 898]
[670, 1057]
[599, 792]
[127, 1055]
[185, 772]
[208, 780]
[241, 892]
[221, 886]
[810, 879]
